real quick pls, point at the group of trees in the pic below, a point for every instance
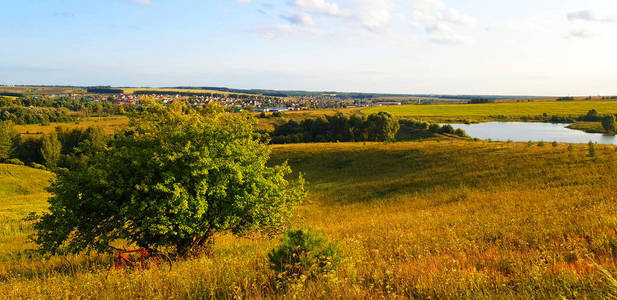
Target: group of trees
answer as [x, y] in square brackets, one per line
[34, 115]
[418, 129]
[376, 127]
[63, 148]
[42, 110]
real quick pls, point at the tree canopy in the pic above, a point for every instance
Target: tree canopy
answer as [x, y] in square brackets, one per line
[176, 177]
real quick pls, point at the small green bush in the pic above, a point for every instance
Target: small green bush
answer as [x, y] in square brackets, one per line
[541, 144]
[37, 166]
[555, 144]
[304, 252]
[592, 149]
[15, 161]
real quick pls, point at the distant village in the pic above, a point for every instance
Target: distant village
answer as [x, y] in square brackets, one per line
[254, 103]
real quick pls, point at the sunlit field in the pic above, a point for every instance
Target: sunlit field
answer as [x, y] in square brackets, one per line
[496, 111]
[439, 219]
[109, 124]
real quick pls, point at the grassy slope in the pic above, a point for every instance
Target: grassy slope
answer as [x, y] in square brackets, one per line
[22, 190]
[440, 219]
[496, 111]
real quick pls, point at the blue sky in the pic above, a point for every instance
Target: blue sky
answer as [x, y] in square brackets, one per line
[524, 47]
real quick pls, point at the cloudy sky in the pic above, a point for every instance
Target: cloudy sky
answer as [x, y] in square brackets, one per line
[523, 47]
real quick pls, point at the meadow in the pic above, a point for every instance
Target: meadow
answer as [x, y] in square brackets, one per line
[495, 111]
[439, 219]
[109, 124]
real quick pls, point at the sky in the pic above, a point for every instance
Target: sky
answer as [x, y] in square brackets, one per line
[523, 47]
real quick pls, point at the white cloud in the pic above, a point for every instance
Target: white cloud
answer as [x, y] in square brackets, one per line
[299, 19]
[441, 22]
[244, 1]
[579, 34]
[318, 6]
[589, 16]
[372, 15]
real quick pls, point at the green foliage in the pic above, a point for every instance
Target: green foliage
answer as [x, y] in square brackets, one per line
[174, 179]
[555, 144]
[592, 149]
[51, 149]
[379, 128]
[382, 127]
[15, 161]
[65, 148]
[609, 124]
[7, 138]
[541, 144]
[570, 148]
[34, 115]
[304, 252]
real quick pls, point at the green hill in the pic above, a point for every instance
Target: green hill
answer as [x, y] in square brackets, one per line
[449, 219]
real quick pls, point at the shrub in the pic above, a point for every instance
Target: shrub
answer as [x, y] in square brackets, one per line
[555, 144]
[15, 161]
[304, 252]
[541, 144]
[37, 166]
[609, 124]
[592, 149]
[460, 132]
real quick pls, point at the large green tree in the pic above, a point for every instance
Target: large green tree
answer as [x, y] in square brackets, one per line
[382, 127]
[174, 179]
[609, 124]
[51, 149]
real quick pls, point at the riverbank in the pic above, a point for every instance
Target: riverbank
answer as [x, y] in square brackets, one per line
[589, 127]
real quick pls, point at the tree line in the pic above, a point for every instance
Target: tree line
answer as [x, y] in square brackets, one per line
[43, 110]
[62, 148]
[380, 127]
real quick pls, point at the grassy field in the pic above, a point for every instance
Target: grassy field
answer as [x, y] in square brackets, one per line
[109, 124]
[495, 111]
[439, 219]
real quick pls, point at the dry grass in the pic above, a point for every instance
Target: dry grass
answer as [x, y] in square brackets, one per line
[449, 219]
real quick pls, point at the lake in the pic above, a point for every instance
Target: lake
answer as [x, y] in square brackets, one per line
[524, 131]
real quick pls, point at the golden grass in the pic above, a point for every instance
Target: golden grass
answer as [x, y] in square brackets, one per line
[496, 111]
[439, 219]
[109, 124]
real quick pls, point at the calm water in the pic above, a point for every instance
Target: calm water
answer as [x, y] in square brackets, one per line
[523, 132]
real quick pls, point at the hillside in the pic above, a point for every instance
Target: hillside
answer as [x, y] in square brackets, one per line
[445, 219]
[22, 191]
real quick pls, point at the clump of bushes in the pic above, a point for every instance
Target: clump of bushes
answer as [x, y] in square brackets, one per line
[15, 161]
[381, 127]
[592, 149]
[304, 254]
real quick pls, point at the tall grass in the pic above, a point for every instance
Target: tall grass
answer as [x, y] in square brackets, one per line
[448, 219]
